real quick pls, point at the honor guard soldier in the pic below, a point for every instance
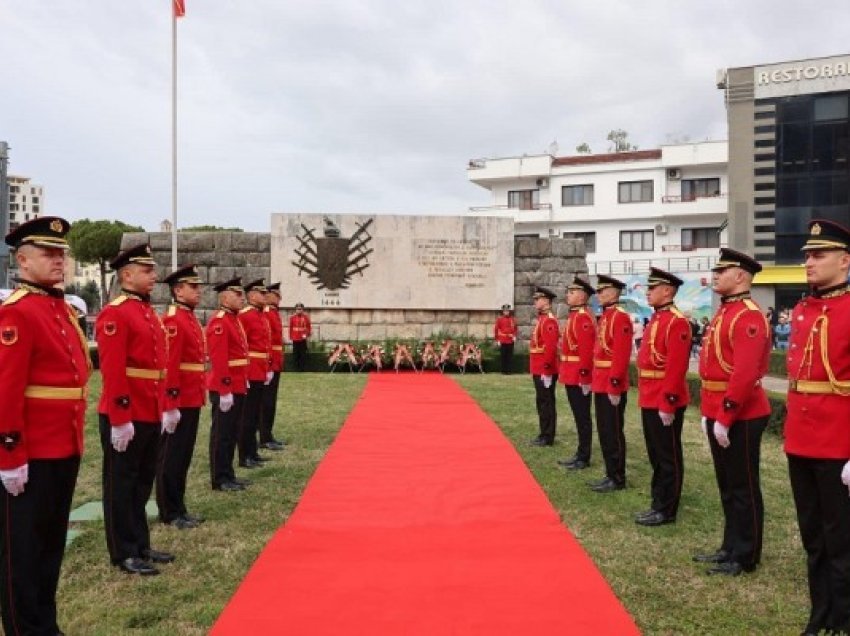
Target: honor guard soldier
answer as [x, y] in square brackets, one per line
[610, 383]
[185, 393]
[576, 369]
[44, 368]
[817, 428]
[505, 333]
[300, 329]
[260, 375]
[227, 382]
[543, 362]
[271, 313]
[132, 349]
[735, 410]
[662, 363]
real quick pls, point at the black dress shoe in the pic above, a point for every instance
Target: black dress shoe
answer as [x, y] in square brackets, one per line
[241, 482]
[272, 446]
[608, 486]
[182, 523]
[137, 566]
[193, 518]
[728, 568]
[249, 463]
[229, 486]
[598, 482]
[720, 556]
[541, 442]
[644, 513]
[157, 556]
[655, 519]
[568, 462]
[260, 459]
[579, 464]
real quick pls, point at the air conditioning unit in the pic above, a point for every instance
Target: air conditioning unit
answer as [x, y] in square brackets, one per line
[661, 228]
[674, 174]
[543, 182]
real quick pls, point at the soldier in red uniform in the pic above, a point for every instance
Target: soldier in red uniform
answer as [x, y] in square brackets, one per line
[185, 394]
[576, 369]
[543, 362]
[271, 313]
[817, 428]
[735, 410]
[260, 375]
[610, 383]
[300, 329]
[132, 350]
[662, 363]
[44, 368]
[505, 333]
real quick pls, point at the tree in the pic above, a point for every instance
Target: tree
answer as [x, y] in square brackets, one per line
[583, 148]
[620, 140]
[90, 292]
[98, 242]
[209, 228]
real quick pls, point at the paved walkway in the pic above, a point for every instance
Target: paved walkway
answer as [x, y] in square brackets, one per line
[776, 385]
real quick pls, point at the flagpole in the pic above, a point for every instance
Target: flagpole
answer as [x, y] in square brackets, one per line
[173, 137]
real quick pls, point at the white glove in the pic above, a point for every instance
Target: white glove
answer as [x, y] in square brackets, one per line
[170, 420]
[269, 376]
[845, 475]
[666, 418]
[547, 380]
[585, 389]
[225, 402]
[721, 434]
[121, 436]
[703, 424]
[615, 399]
[15, 478]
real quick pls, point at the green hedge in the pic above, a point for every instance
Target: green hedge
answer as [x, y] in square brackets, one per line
[776, 365]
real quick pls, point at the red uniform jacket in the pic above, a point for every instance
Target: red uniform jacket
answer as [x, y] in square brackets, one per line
[132, 350]
[543, 349]
[186, 385]
[662, 361]
[505, 330]
[228, 351]
[818, 420]
[44, 368]
[272, 316]
[577, 347]
[259, 342]
[733, 360]
[299, 327]
[612, 351]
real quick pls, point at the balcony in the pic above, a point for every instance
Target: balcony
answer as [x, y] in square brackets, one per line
[535, 213]
[673, 198]
[641, 266]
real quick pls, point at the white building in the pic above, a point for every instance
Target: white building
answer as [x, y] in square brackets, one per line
[665, 207]
[26, 200]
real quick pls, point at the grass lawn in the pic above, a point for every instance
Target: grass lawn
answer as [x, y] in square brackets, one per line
[649, 569]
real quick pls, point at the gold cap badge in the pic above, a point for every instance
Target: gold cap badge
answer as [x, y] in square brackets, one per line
[816, 229]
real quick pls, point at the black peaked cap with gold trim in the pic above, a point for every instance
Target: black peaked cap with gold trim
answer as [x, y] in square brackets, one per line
[732, 258]
[660, 277]
[603, 282]
[186, 274]
[274, 288]
[581, 285]
[827, 235]
[234, 284]
[543, 292]
[45, 231]
[258, 285]
[138, 255]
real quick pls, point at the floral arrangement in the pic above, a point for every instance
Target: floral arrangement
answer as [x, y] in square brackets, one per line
[401, 355]
[343, 353]
[428, 355]
[372, 354]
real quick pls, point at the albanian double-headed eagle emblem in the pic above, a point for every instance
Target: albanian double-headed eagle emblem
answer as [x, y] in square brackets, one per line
[331, 260]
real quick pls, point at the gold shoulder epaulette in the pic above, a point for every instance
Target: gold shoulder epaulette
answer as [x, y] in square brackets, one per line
[677, 312]
[750, 304]
[118, 301]
[618, 308]
[172, 310]
[15, 297]
[245, 309]
[220, 313]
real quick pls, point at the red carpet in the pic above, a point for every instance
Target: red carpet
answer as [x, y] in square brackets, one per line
[422, 519]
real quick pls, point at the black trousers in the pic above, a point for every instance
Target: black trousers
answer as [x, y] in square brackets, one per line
[737, 471]
[128, 480]
[547, 411]
[299, 353]
[823, 513]
[506, 357]
[33, 526]
[223, 432]
[250, 421]
[580, 406]
[269, 409]
[664, 448]
[175, 456]
[610, 425]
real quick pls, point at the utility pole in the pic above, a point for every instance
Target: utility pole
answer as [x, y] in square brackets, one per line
[4, 214]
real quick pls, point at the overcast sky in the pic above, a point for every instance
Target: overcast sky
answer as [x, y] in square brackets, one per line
[359, 105]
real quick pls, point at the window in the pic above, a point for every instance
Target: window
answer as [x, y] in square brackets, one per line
[695, 188]
[635, 191]
[35, 199]
[589, 239]
[637, 240]
[577, 195]
[13, 207]
[35, 209]
[524, 199]
[696, 237]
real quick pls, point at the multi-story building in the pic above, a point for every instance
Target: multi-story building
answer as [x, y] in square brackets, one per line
[26, 200]
[789, 162]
